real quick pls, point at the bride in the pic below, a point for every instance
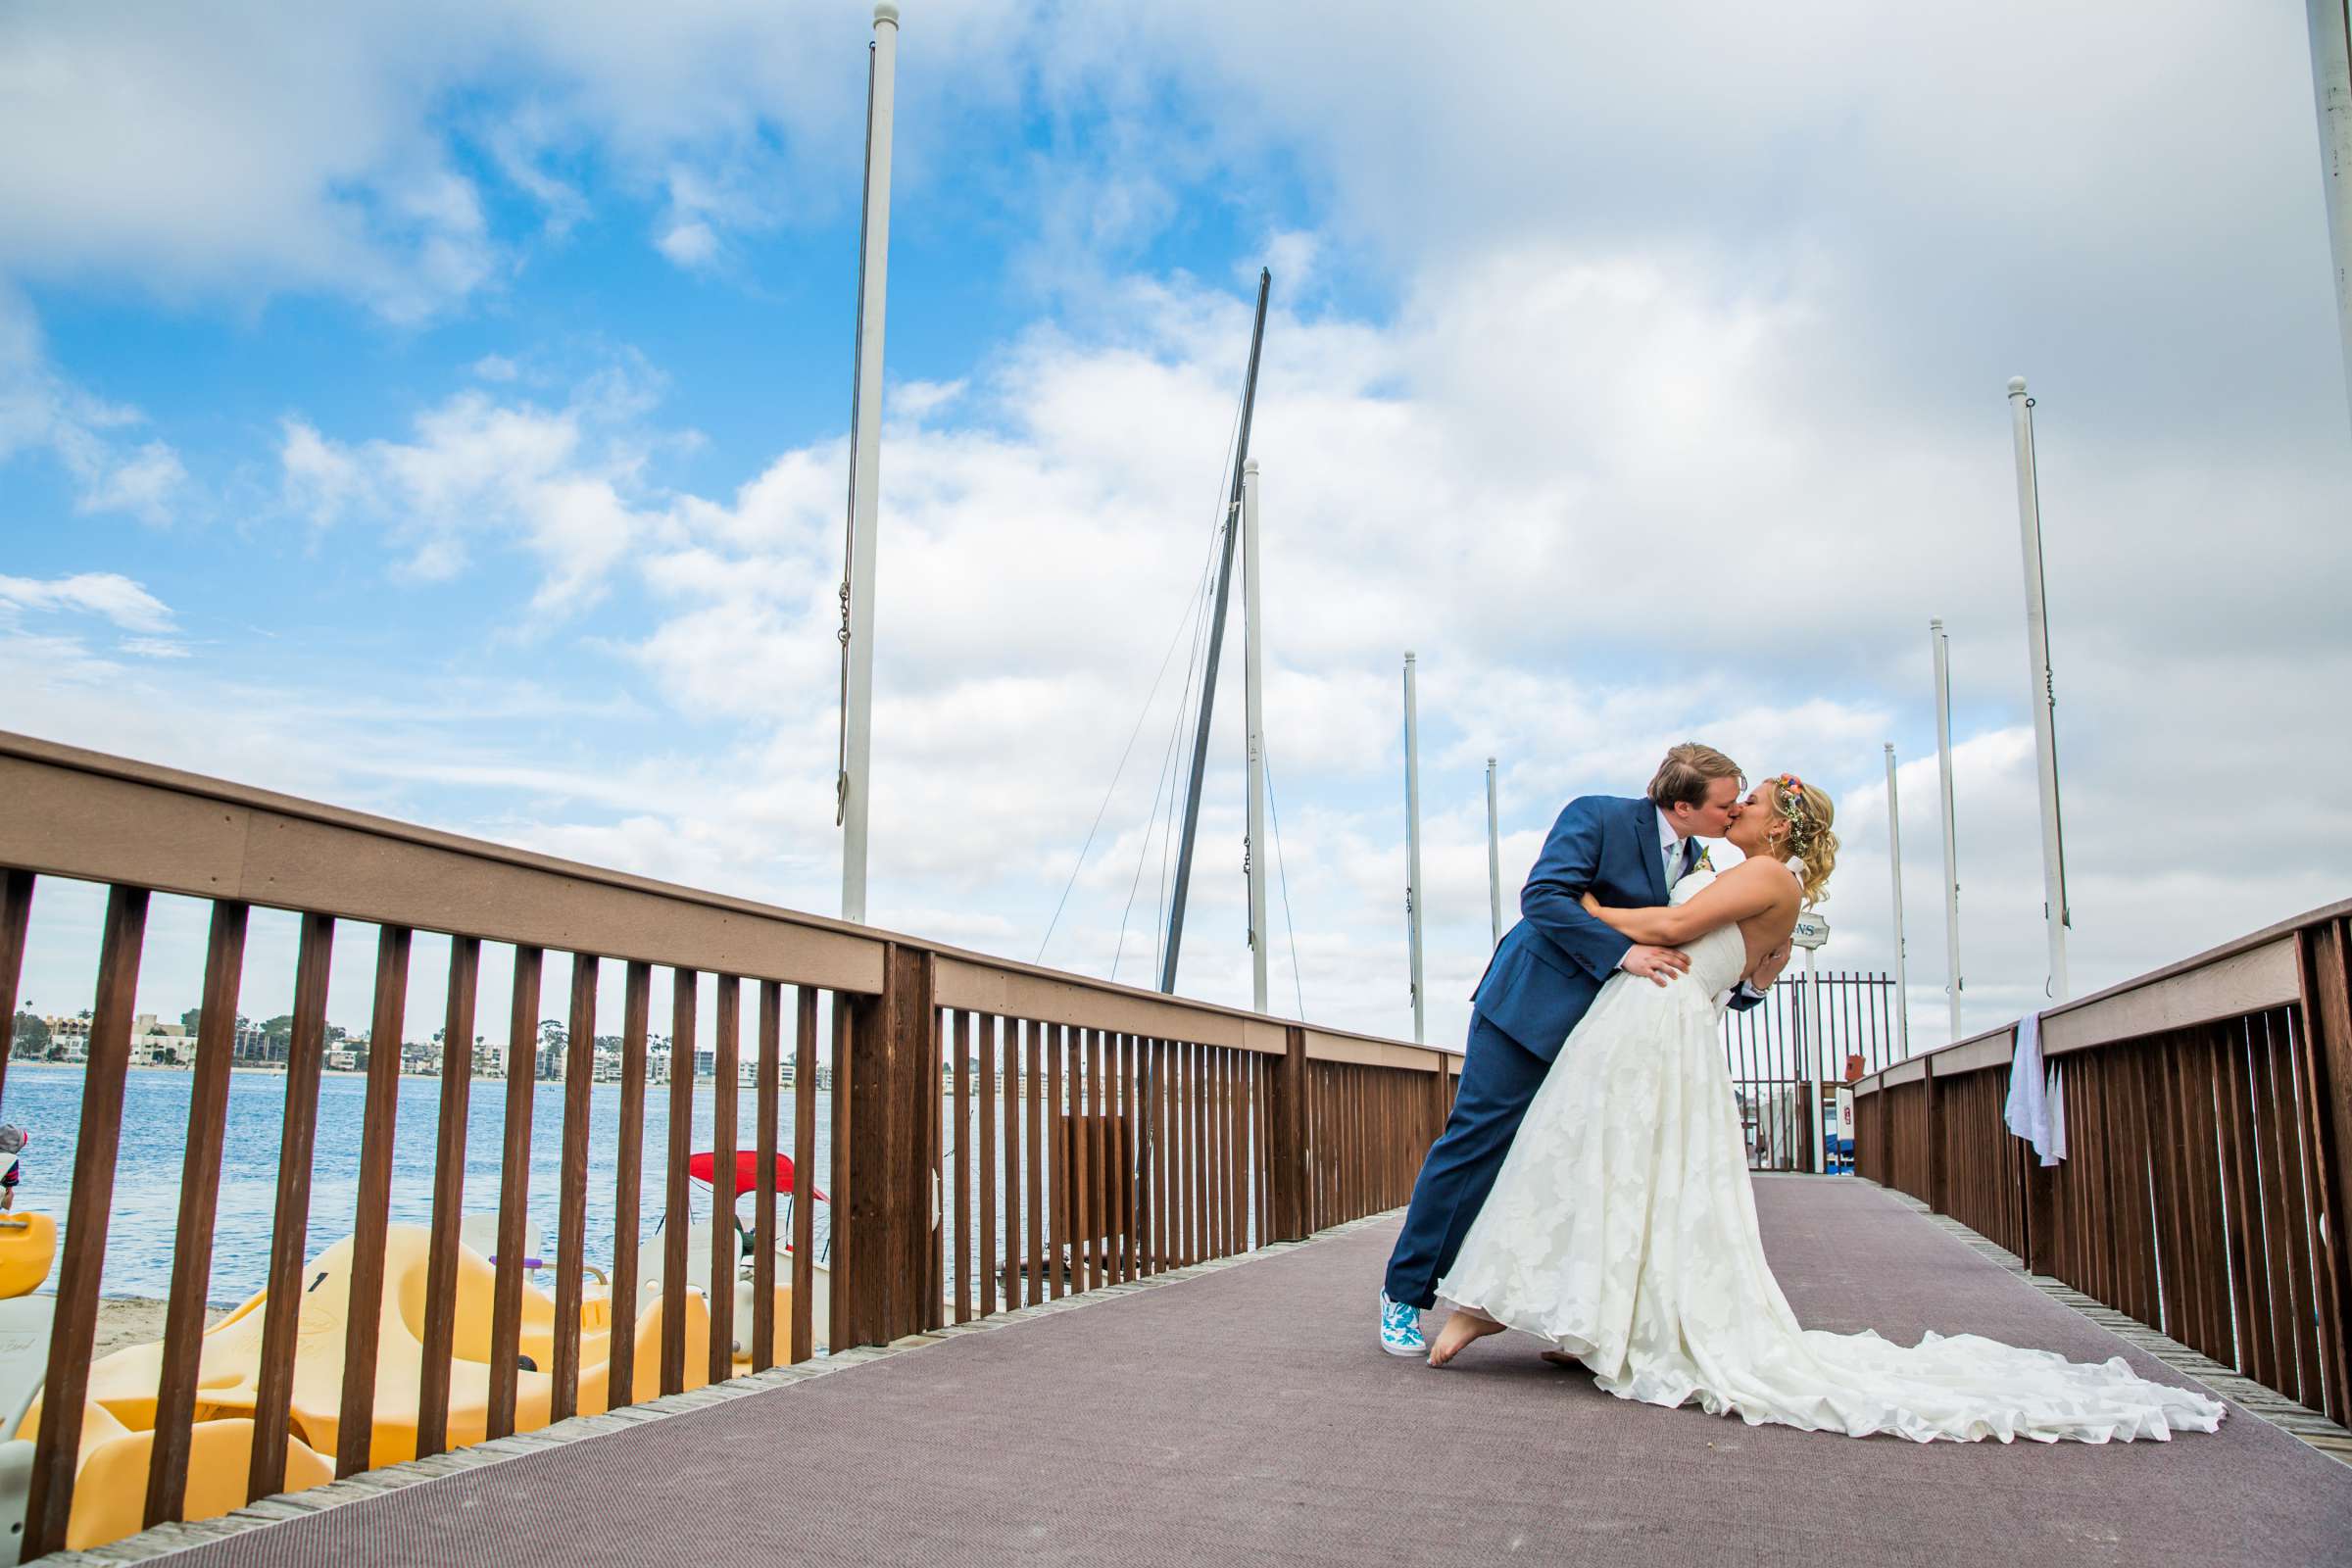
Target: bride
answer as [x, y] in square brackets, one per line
[1623, 1230]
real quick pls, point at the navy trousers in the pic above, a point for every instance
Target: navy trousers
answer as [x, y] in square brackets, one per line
[1500, 1080]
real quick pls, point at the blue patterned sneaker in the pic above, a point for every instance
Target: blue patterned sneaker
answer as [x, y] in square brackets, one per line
[1401, 1328]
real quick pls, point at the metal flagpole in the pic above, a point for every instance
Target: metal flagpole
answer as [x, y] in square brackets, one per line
[1412, 839]
[1895, 866]
[2045, 696]
[865, 470]
[2331, 86]
[1493, 855]
[1254, 709]
[1951, 852]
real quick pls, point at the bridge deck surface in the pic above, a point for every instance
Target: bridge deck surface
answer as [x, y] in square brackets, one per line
[1247, 1415]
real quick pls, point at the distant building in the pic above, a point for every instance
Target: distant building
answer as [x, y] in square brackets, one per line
[154, 1043]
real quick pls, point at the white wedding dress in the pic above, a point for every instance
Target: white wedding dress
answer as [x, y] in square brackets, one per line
[1622, 1228]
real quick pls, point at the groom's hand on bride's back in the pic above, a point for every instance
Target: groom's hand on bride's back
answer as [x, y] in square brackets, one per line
[1659, 965]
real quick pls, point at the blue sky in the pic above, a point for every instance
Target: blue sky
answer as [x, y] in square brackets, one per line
[464, 391]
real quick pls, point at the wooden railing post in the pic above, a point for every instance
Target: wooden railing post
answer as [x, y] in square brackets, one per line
[2042, 1212]
[1939, 1167]
[1440, 1105]
[1885, 1133]
[2324, 956]
[890, 1135]
[1287, 1157]
[57, 1456]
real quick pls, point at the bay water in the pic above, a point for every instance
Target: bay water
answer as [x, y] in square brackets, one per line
[46, 1099]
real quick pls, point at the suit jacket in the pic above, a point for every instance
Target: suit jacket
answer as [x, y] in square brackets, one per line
[1553, 962]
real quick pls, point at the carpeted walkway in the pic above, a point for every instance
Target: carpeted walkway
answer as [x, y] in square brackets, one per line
[1248, 1416]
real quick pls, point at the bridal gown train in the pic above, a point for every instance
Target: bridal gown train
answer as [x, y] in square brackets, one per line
[1622, 1228]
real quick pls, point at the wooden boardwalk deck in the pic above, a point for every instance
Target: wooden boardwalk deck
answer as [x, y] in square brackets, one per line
[1242, 1412]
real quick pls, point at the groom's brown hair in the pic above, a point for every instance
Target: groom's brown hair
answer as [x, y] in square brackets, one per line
[1689, 769]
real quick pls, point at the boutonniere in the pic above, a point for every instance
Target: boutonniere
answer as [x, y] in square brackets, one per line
[1702, 863]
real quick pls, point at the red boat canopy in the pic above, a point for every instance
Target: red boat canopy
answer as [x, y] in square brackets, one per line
[703, 1165]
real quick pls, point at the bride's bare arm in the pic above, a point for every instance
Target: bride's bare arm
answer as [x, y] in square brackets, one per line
[1748, 890]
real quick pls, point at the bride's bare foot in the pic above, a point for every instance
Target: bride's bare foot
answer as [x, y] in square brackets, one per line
[1459, 1330]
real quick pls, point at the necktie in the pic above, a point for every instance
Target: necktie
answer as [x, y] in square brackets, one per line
[1674, 863]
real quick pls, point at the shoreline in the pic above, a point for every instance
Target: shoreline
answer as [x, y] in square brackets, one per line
[947, 1083]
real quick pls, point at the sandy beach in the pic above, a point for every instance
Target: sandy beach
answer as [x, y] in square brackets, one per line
[136, 1322]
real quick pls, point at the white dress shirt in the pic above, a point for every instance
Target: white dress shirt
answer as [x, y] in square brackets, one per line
[1670, 857]
[1670, 849]
[1670, 860]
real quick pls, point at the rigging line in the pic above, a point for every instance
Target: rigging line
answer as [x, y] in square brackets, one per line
[1167, 838]
[1183, 759]
[1190, 614]
[1152, 824]
[1282, 869]
[1173, 762]
[1144, 851]
[1143, 854]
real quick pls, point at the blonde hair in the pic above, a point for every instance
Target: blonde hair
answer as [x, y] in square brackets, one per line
[1809, 812]
[1684, 777]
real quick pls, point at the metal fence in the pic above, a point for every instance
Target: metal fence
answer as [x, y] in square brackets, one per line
[1773, 1067]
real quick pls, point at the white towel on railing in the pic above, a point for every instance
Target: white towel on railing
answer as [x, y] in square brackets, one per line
[2053, 1148]
[2036, 1109]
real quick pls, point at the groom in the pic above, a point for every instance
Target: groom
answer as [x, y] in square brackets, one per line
[1628, 855]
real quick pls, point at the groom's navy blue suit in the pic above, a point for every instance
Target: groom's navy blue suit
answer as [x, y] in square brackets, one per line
[1537, 987]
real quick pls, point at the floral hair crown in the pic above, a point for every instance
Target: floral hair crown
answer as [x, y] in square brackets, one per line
[1791, 792]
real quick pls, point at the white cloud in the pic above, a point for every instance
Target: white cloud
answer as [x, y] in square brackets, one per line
[318, 479]
[560, 483]
[106, 593]
[690, 244]
[1590, 566]
[142, 482]
[919, 401]
[1585, 582]
[42, 411]
[1591, 571]
[336, 163]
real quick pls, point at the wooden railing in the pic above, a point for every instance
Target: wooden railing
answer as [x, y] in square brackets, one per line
[2208, 1117]
[1000, 1134]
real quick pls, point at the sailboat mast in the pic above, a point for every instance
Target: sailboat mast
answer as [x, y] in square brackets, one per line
[1412, 838]
[1216, 643]
[1493, 855]
[1253, 707]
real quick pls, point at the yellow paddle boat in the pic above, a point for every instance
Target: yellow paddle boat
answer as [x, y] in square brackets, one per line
[28, 1246]
[117, 1437]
